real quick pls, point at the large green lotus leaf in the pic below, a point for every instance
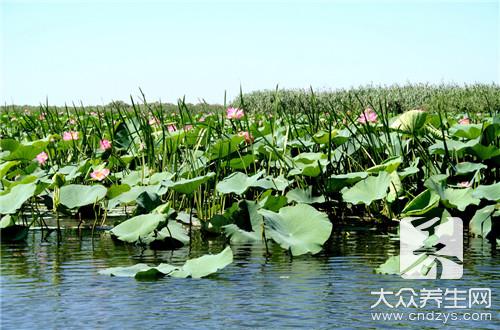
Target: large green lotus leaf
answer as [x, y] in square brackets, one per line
[138, 228]
[272, 203]
[339, 181]
[243, 162]
[173, 230]
[309, 164]
[188, 186]
[159, 177]
[237, 183]
[134, 177]
[469, 131]
[370, 189]
[453, 146]
[323, 137]
[22, 151]
[237, 235]
[11, 201]
[6, 166]
[490, 192]
[77, 195]
[300, 228]
[279, 183]
[395, 188]
[410, 121]
[304, 196]
[7, 221]
[459, 198]
[467, 167]
[484, 152]
[131, 195]
[224, 147]
[205, 265]
[421, 204]
[116, 190]
[389, 267]
[481, 222]
[388, 165]
[240, 234]
[194, 268]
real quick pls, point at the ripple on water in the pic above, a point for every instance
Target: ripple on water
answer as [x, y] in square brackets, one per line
[59, 286]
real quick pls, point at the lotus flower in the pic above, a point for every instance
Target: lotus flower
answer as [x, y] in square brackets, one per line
[248, 137]
[42, 157]
[67, 136]
[368, 115]
[171, 128]
[99, 175]
[464, 121]
[105, 144]
[72, 121]
[41, 117]
[234, 113]
[188, 127]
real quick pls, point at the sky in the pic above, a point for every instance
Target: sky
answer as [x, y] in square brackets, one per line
[95, 52]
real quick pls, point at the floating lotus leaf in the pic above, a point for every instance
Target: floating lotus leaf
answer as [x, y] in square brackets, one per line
[300, 228]
[389, 267]
[77, 195]
[194, 268]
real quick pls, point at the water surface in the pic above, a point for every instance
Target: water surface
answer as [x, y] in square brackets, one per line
[45, 285]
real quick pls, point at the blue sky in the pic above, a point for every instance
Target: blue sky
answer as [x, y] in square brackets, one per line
[98, 51]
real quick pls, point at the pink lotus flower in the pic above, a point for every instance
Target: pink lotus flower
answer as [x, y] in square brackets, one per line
[234, 113]
[464, 121]
[201, 120]
[465, 184]
[367, 116]
[171, 128]
[99, 175]
[248, 137]
[41, 117]
[188, 127]
[105, 144]
[42, 157]
[72, 135]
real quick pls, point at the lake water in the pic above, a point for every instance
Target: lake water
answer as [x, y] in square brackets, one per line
[45, 285]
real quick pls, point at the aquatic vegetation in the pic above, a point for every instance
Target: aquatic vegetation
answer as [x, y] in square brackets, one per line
[281, 167]
[194, 268]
